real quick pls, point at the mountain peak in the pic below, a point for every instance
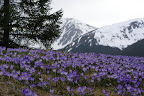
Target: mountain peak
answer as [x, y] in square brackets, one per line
[119, 35]
[71, 30]
[122, 34]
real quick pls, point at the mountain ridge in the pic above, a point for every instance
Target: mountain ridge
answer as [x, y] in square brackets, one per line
[119, 35]
[111, 39]
[71, 30]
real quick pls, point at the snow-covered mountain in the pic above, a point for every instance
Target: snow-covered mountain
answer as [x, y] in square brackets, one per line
[119, 35]
[71, 30]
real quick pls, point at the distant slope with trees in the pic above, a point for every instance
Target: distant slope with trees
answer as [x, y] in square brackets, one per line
[136, 49]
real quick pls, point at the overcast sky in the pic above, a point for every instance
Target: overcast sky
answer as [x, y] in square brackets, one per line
[100, 12]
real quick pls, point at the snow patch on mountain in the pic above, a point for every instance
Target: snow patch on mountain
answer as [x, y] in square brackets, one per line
[71, 30]
[122, 34]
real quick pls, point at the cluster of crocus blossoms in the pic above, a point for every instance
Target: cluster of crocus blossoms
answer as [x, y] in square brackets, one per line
[71, 74]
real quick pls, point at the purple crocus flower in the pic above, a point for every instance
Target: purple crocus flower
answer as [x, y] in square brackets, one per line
[107, 94]
[51, 91]
[26, 82]
[48, 72]
[43, 83]
[62, 79]
[90, 89]
[11, 67]
[84, 69]
[41, 79]
[56, 79]
[81, 90]
[68, 89]
[28, 92]
[119, 86]
[72, 89]
[33, 85]
[85, 77]
[15, 76]
[32, 70]
[82, 74]
[42, 67]
[54, 70]
[48, 78]
[39, 73]
[32, 78]
[69, 79]
[104, 91]
[92, 80]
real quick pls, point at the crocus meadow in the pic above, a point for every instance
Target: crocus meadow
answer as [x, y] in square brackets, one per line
[55, 73]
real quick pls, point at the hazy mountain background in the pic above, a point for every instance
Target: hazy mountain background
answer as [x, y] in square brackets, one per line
[124, 38]
[112, 39]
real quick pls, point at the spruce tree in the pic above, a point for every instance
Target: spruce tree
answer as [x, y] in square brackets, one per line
[28, 20]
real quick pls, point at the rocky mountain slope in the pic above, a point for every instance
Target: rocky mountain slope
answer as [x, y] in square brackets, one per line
[120, 35]
[71, 30]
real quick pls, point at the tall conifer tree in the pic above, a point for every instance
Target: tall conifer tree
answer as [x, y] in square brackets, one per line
[28, 20]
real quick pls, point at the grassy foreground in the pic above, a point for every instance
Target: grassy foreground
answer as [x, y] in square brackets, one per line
[26, 72]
